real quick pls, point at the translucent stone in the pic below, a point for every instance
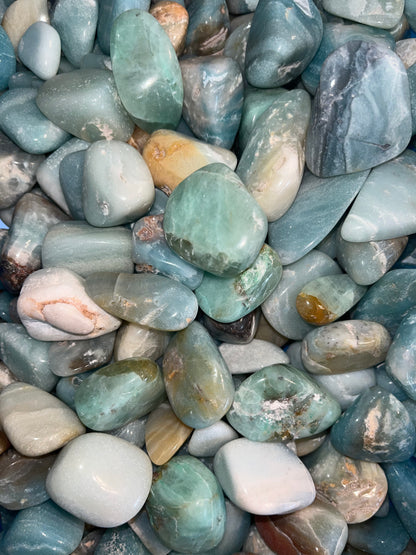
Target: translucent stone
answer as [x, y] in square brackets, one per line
[240, 332]
[20, 15]
[254, 543]
[40, 50]
[67, 387]
[7, 60]
[208, 28]
[142, 528]
[174, 19]
[378, 13]
[243, 359]
[133, 432]
[236, 44]
[134, 340]
[206, 441]
[310, 444]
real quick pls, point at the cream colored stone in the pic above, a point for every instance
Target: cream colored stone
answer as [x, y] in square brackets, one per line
[134, 340]
[20, 15]
[174, 19]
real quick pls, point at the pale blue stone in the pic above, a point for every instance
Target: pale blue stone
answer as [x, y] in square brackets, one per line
[98, 61]
[386, 382]
[159, 204]
[24, 79]
[408, 257]
[410, 12]
[7, 59]
[71, 173]
[238, 7]
[401, 358]
[39, 50]
[67, 387]
[236, 44]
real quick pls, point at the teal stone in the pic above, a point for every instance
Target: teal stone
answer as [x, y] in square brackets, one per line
[319, 204]
[121, 538]
[375, 428]
[408, 257]
[85, 103]
[24, 80]
[141, 526]
[86, 249]
[23, 122]
[109, 10]
[26, 357]
[71, 173]
[97, 61]
[356, 81]
[236, 43]
[152, 253]
[384, 208]
[284, 38]
[229, 299]
[67, 387]
[197, 380]
[146, 71]
[46, 528]
[154, 301]
[281, 403]
[119, 393]
[186, 506]
[159, 204]
[40, 50]
[389, 299]
[6, 306]
[238, 7]
[7, 59]
[212, 221]
[213, 98]
[6, 519]
[378, 13]
[279, 308]
[337, 33]
[76, 23]
[411, 74]
[209, 24]
[401, 477]
[384, 380]
[410, 12]
[401, 358]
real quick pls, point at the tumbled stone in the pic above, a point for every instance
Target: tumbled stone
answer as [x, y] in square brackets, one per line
[134, 340]
[141, 526]
[254, 543]
[71, 174]
[67, 387]
[377, 13]
[242, 6]
[174, 19]
[236, 44]
[24, 79]
[310, 444]
[205, 442]
[124, 538]
[20, 15]
[347, 386]
[402, 491]
[208, 27]
[244, 359]
[40, 50]
[7, 59]
[240, 332]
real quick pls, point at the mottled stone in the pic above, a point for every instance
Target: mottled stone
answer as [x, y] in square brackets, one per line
[174, 19]
[141, 526]
[7, 59]
[240, 332]
[40, 50]
[209, 24]
[236, 44]
[347, 386]
[378, 13]
[134, 340]
[206, 441]
[133, 432]
[121, 539]
[89, 542]
[310, 444]
[402, 491]
[67, 387]
[244, 359]
[71, 174]
[20, 15]
[254, 544]
[242, 6]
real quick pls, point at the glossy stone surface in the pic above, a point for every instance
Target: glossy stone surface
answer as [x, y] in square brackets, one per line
[213, 98]
[83, 482]
[198, 383]
[134, 340]
[272, 162]
[197, 522]
[36, 422]
[121, 538]
[346, 387]
[155, 301]
[244, 359]
[40, 50]
[236, 43]
[284, 38]
[385, 381]
[7, 59]
[240, 332]
[342, 137]
[20, 15]
[254, 543]
[116, 394]
[227, 244]
[377, 13]
[85, 103]
[174, 19]
[280, 403]
[146, 71]
[67, 387]
[26, 125]
[344, 346]
[402, 491]
[133, 432]
[205, 442]
[242, 6]
[24, 79]
[71, 174]
[281, 483]
[208, 27]
[141, 526]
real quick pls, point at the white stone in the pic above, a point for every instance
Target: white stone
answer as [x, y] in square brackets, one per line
[253, 356]
[101, 479]
[53, 306]
[263, 478]
[205, 442]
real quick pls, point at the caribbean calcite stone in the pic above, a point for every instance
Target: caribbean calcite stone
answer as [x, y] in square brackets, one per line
[198, 383]
[342, 137]
[319, 528]
[280, 485]
[85, 103]
[308, 445]
[133, 432]
[356, 488]
[71, 174]
[402, 491]
[383, 209]
[213, 98]
[164, 434]
[86, 249]
[384, 380]
[212, 221]
[116, 394]
[40, 50]
[76, 23]
[280, 403]
[172, 156]
[240, 332]
[377, 13]
[134, 340]
[272, 162]
[24, 79]
[124, 538]
[23, 122]
[45, 528]
[408, 256]
[154, 301]
[6, 376]
[35, 421]
[20, 15]
[284, 38]
[151, 253]
[319, 204]
[375, 428]
[146, 71]
[141, 526]
[7, 60]
[244, 359]
[236, 44]
[174, 19]
[345, 346]
[205, 442]
[83, 481]
[346, 387]
[242, 6]
[66, 388]
[280, 307]
[53, 306]
[209, 25]
[325, 299]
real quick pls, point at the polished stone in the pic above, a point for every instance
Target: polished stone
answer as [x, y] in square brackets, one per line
[7, 59]
[174, 19]
[40, 50]
[133, 432]
[24, 79]
[254, 543]
[20, 15]
[71, 174]
[402, 492]
[121, 539]
[378, 13]
[310, 444]
[244, 359]
[240, 332]
[205, 442]
[67, 387]
[209, 24]
[242, 6]
[385, 381]
[236, 44]
[141, 526]
[134, 340]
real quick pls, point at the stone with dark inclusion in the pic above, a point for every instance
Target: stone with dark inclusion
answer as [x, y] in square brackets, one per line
[186, 506]
[240, 332]
[401, 477]
[121, 538]
[284, 38]
[359, 81]
[209, 25]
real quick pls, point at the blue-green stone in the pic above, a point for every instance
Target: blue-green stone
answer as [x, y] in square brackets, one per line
[410, 12]
[45, 529]
[284, 38]
[385, 381]
[280, 403]
[186, 506]
[212, 221]
[375, 428]
[23, 122]
[146, 71]
[154, 301]
[411, 74]
[198, 383]
[40, 50]
[6, 519]
[97, 61]
[378, 13]
[7, 59]
[120, 540]
[71, 173]
[228, 299]
[346, 133]
[407, 259]
[208, 27]
[401, 358]
[86, 104]
[67, 387]
[6, 302]
[24, 80]
[119, 393]
[238, 7]
[236, 43]
[159, 204]
[401, 477]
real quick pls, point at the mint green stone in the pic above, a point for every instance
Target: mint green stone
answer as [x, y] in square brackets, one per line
[279, 403]
[186, 506]
[229, 299]
[119, 393]
[146, 71]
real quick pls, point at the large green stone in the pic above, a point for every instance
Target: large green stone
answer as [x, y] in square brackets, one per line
[146, 71]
